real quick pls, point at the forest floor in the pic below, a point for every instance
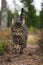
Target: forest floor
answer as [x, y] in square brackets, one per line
[32, 54]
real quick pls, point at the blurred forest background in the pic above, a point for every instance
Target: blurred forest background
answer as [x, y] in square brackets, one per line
[32, 20]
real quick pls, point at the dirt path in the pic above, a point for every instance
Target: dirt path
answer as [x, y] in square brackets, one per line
[31, 56]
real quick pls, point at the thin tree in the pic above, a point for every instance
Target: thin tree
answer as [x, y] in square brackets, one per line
[41, 17]
[41, 28]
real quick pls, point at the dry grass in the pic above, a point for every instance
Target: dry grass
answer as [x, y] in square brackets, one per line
[6, 34]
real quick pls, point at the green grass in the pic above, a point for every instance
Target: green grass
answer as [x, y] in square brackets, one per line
[2, 49]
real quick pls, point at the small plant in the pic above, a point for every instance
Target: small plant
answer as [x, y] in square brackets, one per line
[2, 49]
